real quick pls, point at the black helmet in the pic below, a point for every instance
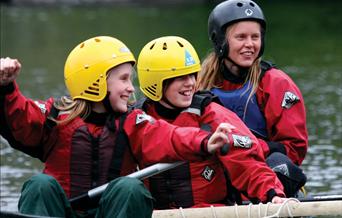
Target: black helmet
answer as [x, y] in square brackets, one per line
[227, 13]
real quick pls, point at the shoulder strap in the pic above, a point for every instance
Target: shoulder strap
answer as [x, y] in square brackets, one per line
[265, 66]
[120, 145]
[50, 123]
[201, 99]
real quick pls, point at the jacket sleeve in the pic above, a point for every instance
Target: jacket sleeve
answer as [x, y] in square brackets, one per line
[154, 141]
[245, 161]
[284, 110]
[22, 119]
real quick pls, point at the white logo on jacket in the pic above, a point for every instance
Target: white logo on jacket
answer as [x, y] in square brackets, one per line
[143, 117]
[242, 141]
[208, 173]
[41, 106]
[289, 100]
[283, 169]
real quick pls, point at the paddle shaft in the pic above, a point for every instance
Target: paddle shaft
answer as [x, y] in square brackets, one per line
[141, 174]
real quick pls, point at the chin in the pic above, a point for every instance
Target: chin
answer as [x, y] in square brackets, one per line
[121, 109]
[246, 64]
[184, 105]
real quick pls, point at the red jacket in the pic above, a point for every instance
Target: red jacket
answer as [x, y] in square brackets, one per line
[71, 152]
[245, 165]
[285, 126]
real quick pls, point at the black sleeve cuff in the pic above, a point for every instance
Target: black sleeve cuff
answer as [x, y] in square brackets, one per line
[276, 147]
[204, 146]
[270, 194]
[8, 89]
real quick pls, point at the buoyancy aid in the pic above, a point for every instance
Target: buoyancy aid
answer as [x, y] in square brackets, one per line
[103, 161]
[247, 109]
[193, 183]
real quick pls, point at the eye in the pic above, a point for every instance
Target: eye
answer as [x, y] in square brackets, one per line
[255, 36]
[125, 76]
[240, 36]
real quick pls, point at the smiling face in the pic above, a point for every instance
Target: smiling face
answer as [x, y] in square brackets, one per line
[120, 86]
[179, 91]
[244, 40]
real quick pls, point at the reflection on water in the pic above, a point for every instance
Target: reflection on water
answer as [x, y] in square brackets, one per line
[16, 167]
[315, 67]
[323, 170]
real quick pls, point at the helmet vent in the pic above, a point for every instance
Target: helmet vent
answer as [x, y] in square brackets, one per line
[239, 4]
[180, 44]
[91, 92]
[82, 45]
[251, 4]
[151, 89]
[96, 84]
[94, 88]
[97, 40]
[164, 46]
[152, 46]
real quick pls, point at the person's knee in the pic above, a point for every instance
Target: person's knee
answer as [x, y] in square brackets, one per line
[42, 195]
[126, 188]
[126, 197]
[127, 185]
[290, 175]
[40, 183]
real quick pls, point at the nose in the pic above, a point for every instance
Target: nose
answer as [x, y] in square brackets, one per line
[130, 87]
[248, 42]
[189, 80]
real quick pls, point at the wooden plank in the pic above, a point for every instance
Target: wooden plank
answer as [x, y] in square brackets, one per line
[289, 209]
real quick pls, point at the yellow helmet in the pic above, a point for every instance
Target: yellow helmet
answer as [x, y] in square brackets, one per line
[87, 64]
[164, 58]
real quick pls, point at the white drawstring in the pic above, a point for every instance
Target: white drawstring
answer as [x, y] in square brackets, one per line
[213, 211]
[285, 203]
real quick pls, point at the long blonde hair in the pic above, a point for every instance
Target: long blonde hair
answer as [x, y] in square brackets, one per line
[73, 108]
[211, 75]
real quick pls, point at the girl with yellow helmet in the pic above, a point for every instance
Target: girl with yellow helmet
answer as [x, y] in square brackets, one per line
[90, 138]
[167, 69]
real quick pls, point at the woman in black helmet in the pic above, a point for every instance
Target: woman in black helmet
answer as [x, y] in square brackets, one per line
[264, 97]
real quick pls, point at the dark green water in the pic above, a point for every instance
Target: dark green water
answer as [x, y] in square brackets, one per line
[303, 38]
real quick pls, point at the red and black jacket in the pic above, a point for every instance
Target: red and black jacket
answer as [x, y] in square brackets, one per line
[80, 154]
[196, 184]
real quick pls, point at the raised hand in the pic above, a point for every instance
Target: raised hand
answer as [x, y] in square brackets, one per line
[220, 137]
[9, 70]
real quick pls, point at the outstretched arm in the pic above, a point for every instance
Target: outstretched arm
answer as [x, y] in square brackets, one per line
[21, 117]
[154, 141]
